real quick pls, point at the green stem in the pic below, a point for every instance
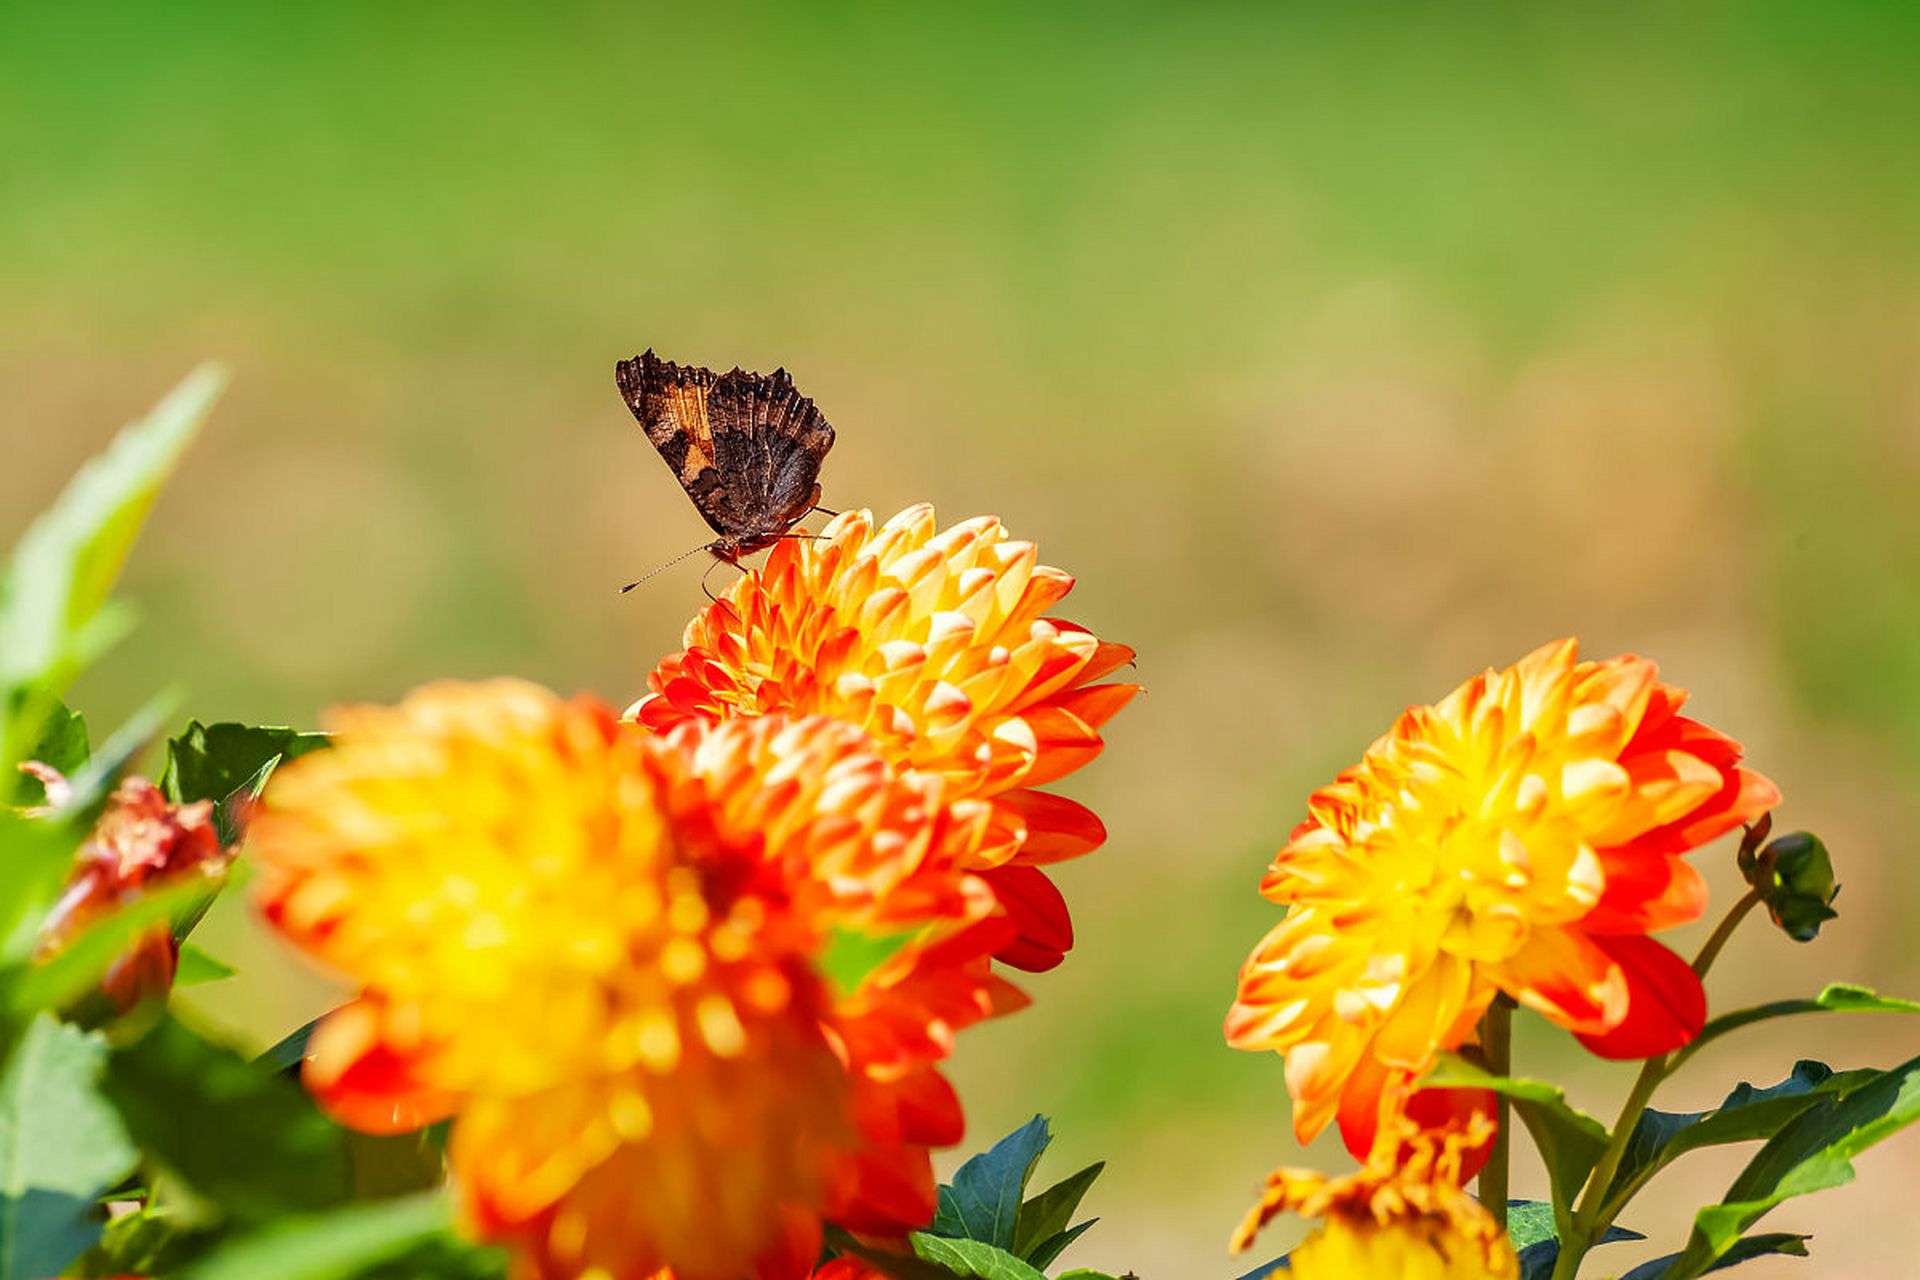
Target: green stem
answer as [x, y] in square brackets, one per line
[1496, 1042]
[1594, 1214]
[1711, 952]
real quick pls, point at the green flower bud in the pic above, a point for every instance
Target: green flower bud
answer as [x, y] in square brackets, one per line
[1797, 879]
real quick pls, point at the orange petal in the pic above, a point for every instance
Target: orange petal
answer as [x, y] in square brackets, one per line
[1566, 978]
[1666, 1005]
[1645, 892]
[1057, 828]
[1043, 929]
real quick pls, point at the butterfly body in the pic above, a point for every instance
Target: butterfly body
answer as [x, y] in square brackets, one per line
[746, 447]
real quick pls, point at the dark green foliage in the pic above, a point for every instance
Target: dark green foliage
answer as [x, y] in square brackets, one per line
[234, 1131]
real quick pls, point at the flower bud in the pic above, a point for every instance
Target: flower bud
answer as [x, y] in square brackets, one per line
[141, 843]
[1796, 876]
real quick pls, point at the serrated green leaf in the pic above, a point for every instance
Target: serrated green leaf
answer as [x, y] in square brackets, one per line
[1053, 1246]
[1747, 1114]
[236, 1132]
[61, 1147]
[53, 602]
[1533, 1229]
[963, 1257]
[853, 954]
[62, 746]
[196, 966]
[983, 1201]
[1778, 1242]
[1813, 1152]
[345, 1244]
[222, 762]
[1839, 997]
[1046, 1215]
[1571, 1142]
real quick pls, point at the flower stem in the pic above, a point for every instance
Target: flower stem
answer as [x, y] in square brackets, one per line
[1711, 952]
[1496, 1042]
[1595, 1213]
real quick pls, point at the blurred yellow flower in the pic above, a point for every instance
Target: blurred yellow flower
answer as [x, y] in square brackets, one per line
[599, 950]
[937, 645]
[1403, 1215]
[1523, 835]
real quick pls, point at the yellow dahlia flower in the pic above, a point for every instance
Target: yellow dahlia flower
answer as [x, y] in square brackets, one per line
[1523, 835]
[937, 645]
[1403, 1215]
[598, 950]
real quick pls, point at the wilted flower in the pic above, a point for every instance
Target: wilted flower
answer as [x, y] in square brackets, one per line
[143, 843]
[1524, 835]
[1403, 1215]
[937, 645]
[600, 950]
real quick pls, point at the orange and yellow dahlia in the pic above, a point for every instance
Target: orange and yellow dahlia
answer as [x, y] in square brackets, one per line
[938, 646]
[1525, 834]
[599, 950]
[1404, 1214]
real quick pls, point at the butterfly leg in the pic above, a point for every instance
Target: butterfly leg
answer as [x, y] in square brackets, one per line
[822, 510]
[717, 562]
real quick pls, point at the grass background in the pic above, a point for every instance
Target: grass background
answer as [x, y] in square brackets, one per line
[1339, 350]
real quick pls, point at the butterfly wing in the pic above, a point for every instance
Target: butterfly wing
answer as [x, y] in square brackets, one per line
[671, 402]
[768, 442]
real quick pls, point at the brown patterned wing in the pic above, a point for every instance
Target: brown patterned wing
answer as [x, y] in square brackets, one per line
[670, 402]
[769, 442]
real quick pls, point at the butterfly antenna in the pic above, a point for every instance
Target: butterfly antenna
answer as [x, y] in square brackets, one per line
[659, 568]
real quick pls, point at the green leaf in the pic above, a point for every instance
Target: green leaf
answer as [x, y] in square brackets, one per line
[1044, 1218]
[1571, 1142]
[196, 966]
[1533, 1229]
[61, 1147]
[971, 1258]
[236, 1132]
[1087, 1273]
[287, 1054]
[342, 1245]
[1761, 1246]
[53, 603]
[983, 1202]
[36, 855]
[76, 970]
[222, 762]
[1841, 997]
[1813, 1152]
[1056, 1244]
[62, 746]
[1746, 1115]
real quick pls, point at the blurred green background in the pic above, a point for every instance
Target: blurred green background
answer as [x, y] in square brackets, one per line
[1339, 350]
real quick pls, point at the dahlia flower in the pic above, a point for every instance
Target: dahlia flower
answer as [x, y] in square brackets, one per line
[1525, 834]
[599, 951]
[1403, 1215]
[937, 646]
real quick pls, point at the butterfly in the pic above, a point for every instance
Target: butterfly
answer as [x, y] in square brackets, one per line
[747, 447]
